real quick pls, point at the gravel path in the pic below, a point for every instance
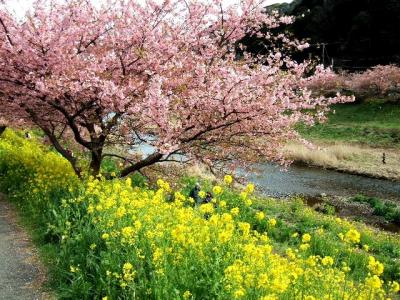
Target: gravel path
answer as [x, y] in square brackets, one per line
[20, 273]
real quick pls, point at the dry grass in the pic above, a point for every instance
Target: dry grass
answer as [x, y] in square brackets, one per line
[348, 158]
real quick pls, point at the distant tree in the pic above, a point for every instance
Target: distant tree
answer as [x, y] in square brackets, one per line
[377, 81]
[164, 74]
[326, 82]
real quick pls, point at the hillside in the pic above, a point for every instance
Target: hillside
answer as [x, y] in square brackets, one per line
[358, 34]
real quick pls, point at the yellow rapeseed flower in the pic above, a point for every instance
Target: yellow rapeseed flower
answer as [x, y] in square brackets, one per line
[304, 247]
[306, 238]
[352, 236]
[207, 208]
[272, 222]
[248, 202]
[239, 293]
[373, 282]
[228, 179]
[217, 190]
[225, 236]
[127, 267]
[127, 231]
[187, 295]
[375, 266]
[394, 287]
[327, 261]
[250, 188]
[73, 269]
[235, 211]
[260, 216]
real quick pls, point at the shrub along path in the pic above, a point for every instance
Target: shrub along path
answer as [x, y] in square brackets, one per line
[20, 273]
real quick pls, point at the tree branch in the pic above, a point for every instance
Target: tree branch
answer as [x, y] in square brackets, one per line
[71, 123]
[60, 149]
[7, 33]
[149, 160]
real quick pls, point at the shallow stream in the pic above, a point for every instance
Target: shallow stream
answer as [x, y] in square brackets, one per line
[271, 180]
[311, 182]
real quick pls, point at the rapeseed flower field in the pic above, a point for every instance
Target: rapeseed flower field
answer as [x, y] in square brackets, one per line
[114, 239]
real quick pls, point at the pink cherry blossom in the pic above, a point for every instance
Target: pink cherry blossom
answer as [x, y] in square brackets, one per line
[165, 73]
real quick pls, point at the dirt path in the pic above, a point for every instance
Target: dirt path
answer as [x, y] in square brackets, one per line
[20, 273]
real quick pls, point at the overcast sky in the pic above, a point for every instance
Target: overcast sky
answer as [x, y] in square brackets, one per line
[21, 6]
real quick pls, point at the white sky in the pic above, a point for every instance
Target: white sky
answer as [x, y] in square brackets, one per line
[21, 6]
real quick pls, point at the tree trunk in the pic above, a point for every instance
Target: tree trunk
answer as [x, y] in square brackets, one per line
[95, 163]
[2, 128]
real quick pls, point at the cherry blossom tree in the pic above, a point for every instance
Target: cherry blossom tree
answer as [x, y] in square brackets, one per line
[326, 81]
[171, 74]
[377, 81]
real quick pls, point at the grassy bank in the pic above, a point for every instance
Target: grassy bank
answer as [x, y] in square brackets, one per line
[376, 124]
[350, 158]
[116, 239]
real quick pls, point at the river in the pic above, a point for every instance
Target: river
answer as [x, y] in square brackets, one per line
[308, 181]
[271, 180]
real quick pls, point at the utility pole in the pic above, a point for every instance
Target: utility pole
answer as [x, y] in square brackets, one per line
[323, 54]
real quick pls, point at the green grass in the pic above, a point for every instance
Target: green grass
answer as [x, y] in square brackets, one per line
[374, 123]
[389, 211]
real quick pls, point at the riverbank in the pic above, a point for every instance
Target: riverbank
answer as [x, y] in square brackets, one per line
[353, 208]
[358, 138]
[349, 158]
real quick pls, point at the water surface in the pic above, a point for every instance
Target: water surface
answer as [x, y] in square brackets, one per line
[273, 181]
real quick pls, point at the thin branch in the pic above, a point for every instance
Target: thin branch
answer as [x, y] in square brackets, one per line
[7, 33]
[94, 40]
[122, 65]
[139, 137]
[71, 123]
